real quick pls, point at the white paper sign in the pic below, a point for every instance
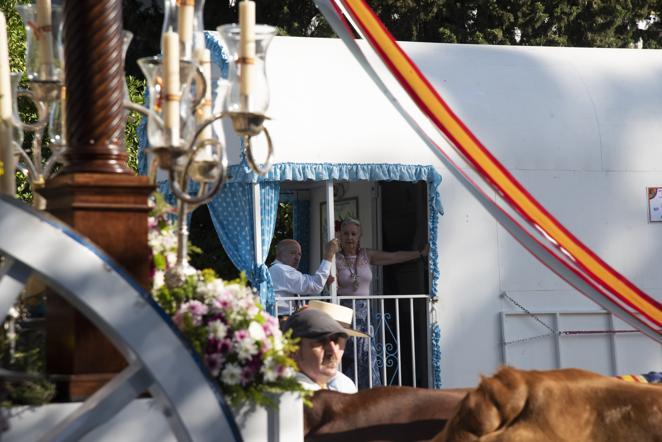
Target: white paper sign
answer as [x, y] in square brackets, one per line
[655, 204]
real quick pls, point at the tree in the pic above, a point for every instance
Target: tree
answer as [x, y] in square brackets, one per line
[15, 34]
[596, 23]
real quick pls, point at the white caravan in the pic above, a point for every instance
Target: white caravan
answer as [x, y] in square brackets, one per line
[580, 128]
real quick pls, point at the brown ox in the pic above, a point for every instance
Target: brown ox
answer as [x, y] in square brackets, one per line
[559, 405]
[383, 413]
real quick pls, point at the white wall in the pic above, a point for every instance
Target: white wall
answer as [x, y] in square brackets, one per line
[579, 129]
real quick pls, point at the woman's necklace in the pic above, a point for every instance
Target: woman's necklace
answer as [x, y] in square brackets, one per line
[353, 273]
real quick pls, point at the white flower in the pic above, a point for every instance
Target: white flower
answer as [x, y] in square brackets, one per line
[234, 291]
[278, 342]
[217, 329]
[252, 310]
[210, 290]
[256, 331]
[162, 241]
[287, 372]
[171, 259]
[270, 370]
[231, 374]
[159, 279]
[246, 348]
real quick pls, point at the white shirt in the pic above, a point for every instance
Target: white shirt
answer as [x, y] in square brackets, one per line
[339, 382]
[288, 281]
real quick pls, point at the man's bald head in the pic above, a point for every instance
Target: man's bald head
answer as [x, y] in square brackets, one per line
[288, 251]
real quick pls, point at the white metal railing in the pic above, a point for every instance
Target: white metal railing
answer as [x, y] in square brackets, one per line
[399, 326]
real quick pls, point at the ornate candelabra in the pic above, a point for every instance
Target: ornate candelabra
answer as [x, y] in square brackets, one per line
[180, 116]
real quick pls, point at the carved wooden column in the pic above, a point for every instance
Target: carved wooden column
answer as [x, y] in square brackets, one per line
[96, 192]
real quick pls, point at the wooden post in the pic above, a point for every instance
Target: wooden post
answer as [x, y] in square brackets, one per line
[96, 192]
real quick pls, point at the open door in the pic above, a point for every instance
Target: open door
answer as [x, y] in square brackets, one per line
[404, 219]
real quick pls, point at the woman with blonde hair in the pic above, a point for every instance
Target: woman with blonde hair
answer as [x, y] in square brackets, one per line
[354, 276]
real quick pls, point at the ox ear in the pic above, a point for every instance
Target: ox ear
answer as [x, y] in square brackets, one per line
[508, 390]
[474, 417]
[497, 401]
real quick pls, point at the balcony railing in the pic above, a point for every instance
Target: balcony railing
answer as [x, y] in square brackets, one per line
[399, 326]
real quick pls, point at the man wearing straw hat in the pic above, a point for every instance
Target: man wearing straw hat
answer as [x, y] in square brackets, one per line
[323, 329]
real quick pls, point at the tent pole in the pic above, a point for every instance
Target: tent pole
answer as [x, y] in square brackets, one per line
[330, 233]
[257, 222]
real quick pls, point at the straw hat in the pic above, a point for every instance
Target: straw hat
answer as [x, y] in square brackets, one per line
[313, 324]
[340, 313]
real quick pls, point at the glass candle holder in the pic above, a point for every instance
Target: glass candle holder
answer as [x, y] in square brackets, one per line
[127, 36]
[44, 59]
[257, 101]
[153, 69]
[57, 120]
[15, 80]
[186, 18]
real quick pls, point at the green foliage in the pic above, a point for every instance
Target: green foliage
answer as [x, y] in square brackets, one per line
[22, 350]
[144, 19]
[598, 23]
[136, 94]
[27, 392]
[15, 34]
[171, 298]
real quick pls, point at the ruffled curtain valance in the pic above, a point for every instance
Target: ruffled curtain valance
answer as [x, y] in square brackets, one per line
[361, 172]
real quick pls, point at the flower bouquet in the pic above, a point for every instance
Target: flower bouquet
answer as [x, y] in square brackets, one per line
[238, 341]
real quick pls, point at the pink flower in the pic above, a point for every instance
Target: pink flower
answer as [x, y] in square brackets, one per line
[192, 309]
[240, 335]
[247, 375]
[270, 325]
[222, 346]
[266, 345]
[214, 362]
[197, 310]
[221, 304]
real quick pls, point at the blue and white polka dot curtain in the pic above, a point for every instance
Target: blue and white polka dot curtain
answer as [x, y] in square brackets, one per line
[232, 214]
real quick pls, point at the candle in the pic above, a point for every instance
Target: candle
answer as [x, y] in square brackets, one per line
[203, 112]
[185, 25]
[7, 177]
[45, 38]
[171, 86]
[5, 82]
[246, 45]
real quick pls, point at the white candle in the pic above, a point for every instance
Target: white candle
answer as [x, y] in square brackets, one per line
[5, 82]
[185, 24]
[44, 34]
[7, 177]
[203, 112]
[246, 44]
[171, 86]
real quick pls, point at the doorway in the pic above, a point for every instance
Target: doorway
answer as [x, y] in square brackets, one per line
[404, 226]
